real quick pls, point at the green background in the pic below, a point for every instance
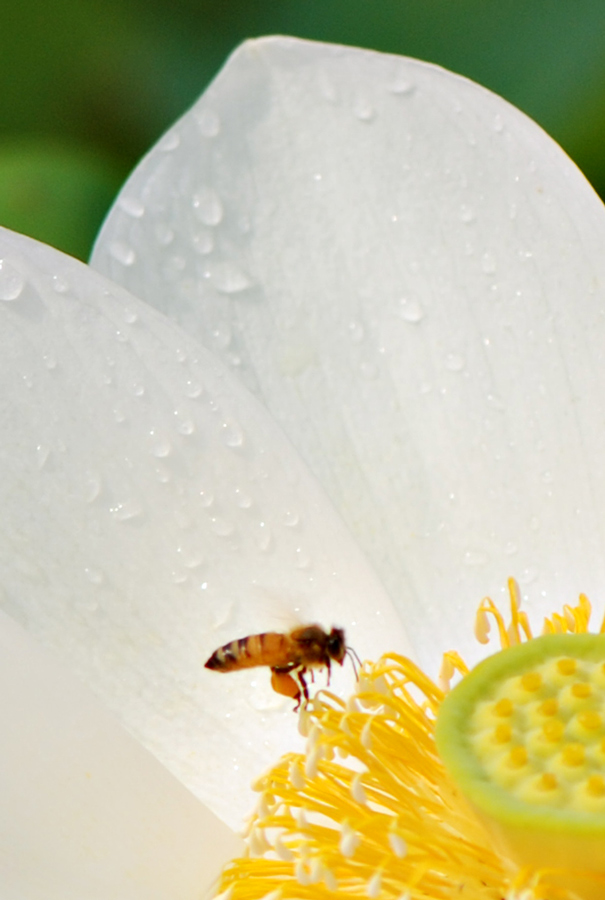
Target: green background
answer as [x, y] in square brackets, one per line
[89, 85]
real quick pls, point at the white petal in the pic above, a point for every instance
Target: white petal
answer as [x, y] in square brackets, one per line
[85, 811]
[411, 275]
[150, 509]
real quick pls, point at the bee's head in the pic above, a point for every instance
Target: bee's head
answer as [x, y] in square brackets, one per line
[337, 648]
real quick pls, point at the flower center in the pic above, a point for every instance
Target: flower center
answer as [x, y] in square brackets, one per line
[523, 736]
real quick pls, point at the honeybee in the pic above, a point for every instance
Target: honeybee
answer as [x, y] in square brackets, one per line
[289, 656]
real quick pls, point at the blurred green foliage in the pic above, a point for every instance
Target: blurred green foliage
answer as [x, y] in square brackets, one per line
[89, 85]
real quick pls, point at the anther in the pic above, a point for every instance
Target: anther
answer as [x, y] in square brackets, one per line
[566, 666]
[590, 720]
[581, 690]
[573, 754]
[553, 730]
[502, 734]
[517, 757]
[547, 781]
[503, 708]
[531, 682]
[595, 786]
[549, 707]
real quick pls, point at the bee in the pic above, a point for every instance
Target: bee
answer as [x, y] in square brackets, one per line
[289, 656]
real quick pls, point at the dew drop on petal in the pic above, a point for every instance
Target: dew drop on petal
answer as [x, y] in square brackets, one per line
[203, 242]
[206, 498]
[410, 310]
[169, 142]
[11, 281]
[60, 285]
[207, 206]
[208, 122]
[363, 109]
[193, 390]
[232, 433]
[132, 206]
[230, 279]
[122, 253]
[95, 576]
[401, 84]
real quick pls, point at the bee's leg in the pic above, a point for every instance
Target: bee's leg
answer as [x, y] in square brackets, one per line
[303, 683]
[284, 683]
[329, 667]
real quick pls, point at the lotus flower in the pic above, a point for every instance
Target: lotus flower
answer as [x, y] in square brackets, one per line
[370, 390]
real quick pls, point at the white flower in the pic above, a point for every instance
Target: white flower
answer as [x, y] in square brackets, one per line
[408, 274]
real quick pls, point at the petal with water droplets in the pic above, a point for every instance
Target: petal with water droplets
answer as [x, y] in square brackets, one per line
[151, 510]
[422, 311]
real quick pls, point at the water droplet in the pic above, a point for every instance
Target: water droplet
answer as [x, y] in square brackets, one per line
[221, 527]
[454, 362]
[208, 122]
[60, 285]
[92, 487]
[193, 390]
[510, 548]
[42, 455]
[206, 498]
[498, 123]
[303, 560]
[208, 207]
[138, 389]
[410, 310]
[203, 242]
[243, 500]
[467, 214]
[163, 234]
[126, 511]
[475, 558]
[186, 427]
[263, 536]
[356, 331]
[195, 561]
[122, 253]
[163, 474]
[169, 142]
[11, 281]
[232, 433]
[161, 449]
[229, 278]
[363, 109]
[291, 518]
[401, 84]
[547, 477]
[488, 263]
[50, 361]
[221, 336]
[132, 206]
[95, 576]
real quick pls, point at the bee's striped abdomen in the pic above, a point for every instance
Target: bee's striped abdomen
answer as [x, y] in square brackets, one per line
[267, 649]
